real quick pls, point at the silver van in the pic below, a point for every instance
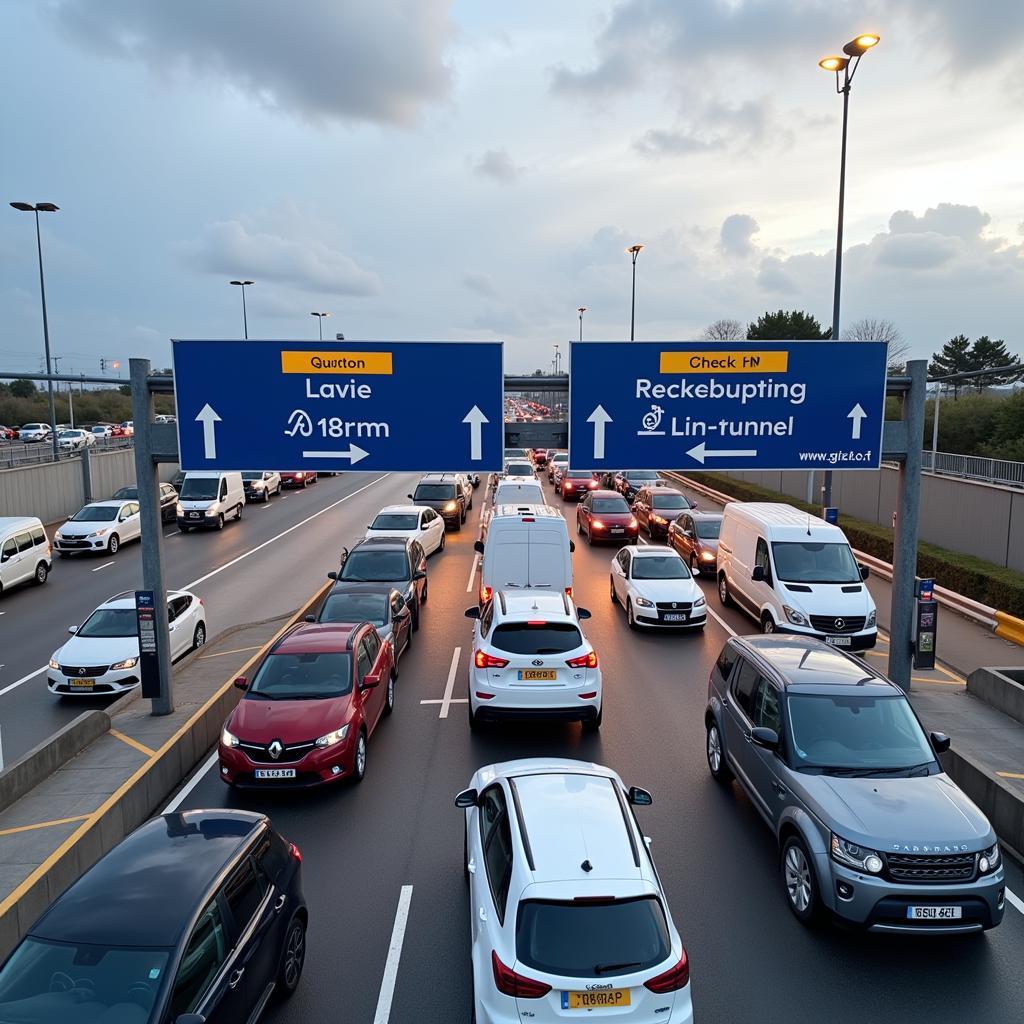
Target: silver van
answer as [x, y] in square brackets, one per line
[25, 552]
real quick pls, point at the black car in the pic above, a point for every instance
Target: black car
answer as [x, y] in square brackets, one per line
[656, 507]
[377, 603]
[168, 500]
[443, 493]
[196, 916]
[397, 561]
[629, 481]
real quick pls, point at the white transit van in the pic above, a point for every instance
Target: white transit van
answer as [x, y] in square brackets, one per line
[207, 499]
[513, 490]
[24, 551]
[527, 547]
[794, 573]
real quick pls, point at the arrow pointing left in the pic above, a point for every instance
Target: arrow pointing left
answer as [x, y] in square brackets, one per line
[208, 418]
[475, 418]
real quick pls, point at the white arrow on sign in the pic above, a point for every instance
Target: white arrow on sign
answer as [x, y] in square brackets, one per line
[354, 454]
[700, 453]
[208, 417]
[475, 418]
[858, 415]
[599, 418]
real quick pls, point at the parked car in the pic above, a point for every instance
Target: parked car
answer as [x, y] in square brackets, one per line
[25, 552]
[540, 457]
[395, 560]
[604, 515]
[8, 433]
[74, 440]
[102, 430]
[694, 535]
[298, 478]
[655, 587]
[260, 486]
[377, 603]
[99, 526]
[35, 432]
[128, 428]
[518, 490]
[413, 522]
[444, 494]
[102, 656]
[309, 709]
[656, 507]
[520, 467]
[168, 499]
[870, 828]
[207, 499]
[115, 948]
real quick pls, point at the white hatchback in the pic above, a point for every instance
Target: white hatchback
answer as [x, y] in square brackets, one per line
[656, 588]
[414, 522]
[99, 526]
[531, 660]
[567, 914]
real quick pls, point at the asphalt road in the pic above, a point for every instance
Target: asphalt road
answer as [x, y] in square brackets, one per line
[751, 960]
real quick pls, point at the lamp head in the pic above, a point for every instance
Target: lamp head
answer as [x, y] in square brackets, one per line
[833, 63]
[47, 207]
[581, 310]
[26, 207]
[243, 283]
[635, 249]
[861, 45]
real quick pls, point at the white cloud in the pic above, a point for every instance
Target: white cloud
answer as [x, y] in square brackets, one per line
[499, 166]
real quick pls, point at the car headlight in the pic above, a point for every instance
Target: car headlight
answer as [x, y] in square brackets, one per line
[333, 737]
[55, 664]
[99, 533]
[700, 602]
[227, 740]
[211, 512]
[872, 618]
[854, 856]
[179, 509]
[127, 663]
[797, 618]
[990, 860]
[707, 556]
[450, 507]
[644, 603]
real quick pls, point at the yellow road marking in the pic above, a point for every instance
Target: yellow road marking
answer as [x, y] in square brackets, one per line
[1010, 775]
[140, 747]
[220, 654]
[937, 682]
[42, 824]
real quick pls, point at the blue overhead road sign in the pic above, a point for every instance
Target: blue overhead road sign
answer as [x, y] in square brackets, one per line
[731, 405]
[367, 405]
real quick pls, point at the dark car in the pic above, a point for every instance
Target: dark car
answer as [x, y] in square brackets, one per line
[575, 485]
[168, 500]
[656, 507]
[604, 515]
[376, 603]
[694, 535]
[629, 481]
[443, 493]
[399, 561]
[195, 916]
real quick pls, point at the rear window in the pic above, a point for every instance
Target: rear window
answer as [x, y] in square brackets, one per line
[610, 505]
[671, 500]
[355, 608]
[369, 566]
[434, 492]
[546, 638]
[396, 521]
[516, 469]
[640, 477]
[592, 940]
[126, 494]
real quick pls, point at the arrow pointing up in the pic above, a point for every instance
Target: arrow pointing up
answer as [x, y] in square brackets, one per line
[475, 418]
[700, 452]
[208, 417]
[599, 418]
[857, 414]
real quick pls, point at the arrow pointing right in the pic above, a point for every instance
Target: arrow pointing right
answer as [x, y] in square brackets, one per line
[599, 418]
[699, 453]
[354, 454]
[857, 414]
[208, 418]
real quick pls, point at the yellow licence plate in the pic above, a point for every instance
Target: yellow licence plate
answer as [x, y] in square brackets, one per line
[82, 684]
[537, 675]
[605, 999]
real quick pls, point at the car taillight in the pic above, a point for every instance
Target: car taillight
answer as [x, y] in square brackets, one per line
[568, 591]
[509, 983]
[484, 660]
[485, 594]
[584, 661]
[295, 852]
[674, 978]
[567, 484]
[592, 483]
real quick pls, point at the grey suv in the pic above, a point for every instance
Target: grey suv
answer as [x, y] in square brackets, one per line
[869, 826]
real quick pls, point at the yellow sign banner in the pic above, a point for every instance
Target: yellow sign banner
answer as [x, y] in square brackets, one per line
[724, 362]
[336, 362]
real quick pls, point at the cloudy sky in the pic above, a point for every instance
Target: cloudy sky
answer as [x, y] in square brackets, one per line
[436, 169]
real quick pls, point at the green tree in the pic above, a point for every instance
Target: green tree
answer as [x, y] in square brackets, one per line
[23, 388]
[786, 325]
[125, 389]
[985, 352]
[955, 357]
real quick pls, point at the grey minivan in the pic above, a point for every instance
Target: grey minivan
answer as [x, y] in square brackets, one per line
[870, 828]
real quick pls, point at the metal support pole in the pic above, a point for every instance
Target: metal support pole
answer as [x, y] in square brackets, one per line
[908, 502]
[46, 341]
[935, 423]
[632, 307]
[148, 480]
[87, 475]
[245, 317]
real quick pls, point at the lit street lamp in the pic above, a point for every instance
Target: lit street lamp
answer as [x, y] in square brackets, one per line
[635, 250]
[581, 311]
[320, 322]
[245, 319]
[38, 209]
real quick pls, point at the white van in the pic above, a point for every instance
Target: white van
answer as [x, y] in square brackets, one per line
[527, 546]
[512, 490]
[208, 499]
[794, 573]
[24, 551]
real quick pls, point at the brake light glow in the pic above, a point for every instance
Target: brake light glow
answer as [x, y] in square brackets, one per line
[592, 483]
[584, 661]
[633, 524]
[509, 983]
[484, 660]
[568, 485]
[295, 852]
[568, 591]
[673, 979]
[536, 622]
[485, 594]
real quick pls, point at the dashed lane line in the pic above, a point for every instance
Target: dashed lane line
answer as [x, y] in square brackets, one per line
[103, 566]
[449, 687]
[474, 563]
[182, 795]
[387, 984]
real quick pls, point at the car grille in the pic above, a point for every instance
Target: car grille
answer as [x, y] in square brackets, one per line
[674, 606]
[292, 752]
[958, 867]
[85, 671]
[64, 542]
[837, 623]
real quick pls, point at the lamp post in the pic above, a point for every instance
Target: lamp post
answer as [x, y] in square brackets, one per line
[245, 320]
[581, 311]
[37, 209]
[635, 251]
[320, 322]
[854, 50]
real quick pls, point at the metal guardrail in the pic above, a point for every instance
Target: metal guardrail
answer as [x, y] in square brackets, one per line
[21, 453]
[974, 467]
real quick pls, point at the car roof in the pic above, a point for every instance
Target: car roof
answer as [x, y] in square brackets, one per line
[316, 638]
[528, 604]
[126, 599]
[786, 522]
[439, 478]
[357, 587]
[408, 509]
[123, 898]
[382, 543]
[18, 522]
[606, 494]
[650, 550]
[806, 665]
[699, 513]
[530, 511]
[108, 503]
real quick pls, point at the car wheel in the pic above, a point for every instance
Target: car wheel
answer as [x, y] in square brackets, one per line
[475, 725]
[113, 544]
[220, 521]
[723, 590]
[238, 514]
[798, 881]
[579, 527]
[359, 761]
[767, 623]
[594, 724]
[716, 755]
[305, 482]
[416, 619]
[457, 525]
[611, 584]
[199, 636]
[293, 957]
[42, 571]
[389, 700]
[440, 546]
[630, 617]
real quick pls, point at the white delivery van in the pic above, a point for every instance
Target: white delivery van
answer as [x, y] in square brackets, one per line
[24, 551]
[208, 499]
[513, 490]
[527, 547]
[794, 573]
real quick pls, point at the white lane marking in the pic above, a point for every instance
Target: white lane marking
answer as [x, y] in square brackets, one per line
[450, 685]
[173, 533]
[387, 983]
[264, 506]
[1015, 901]
[103, 566]
[451, 700]
[718, 618]
[473, 565]
[197, 777]
[23, 679]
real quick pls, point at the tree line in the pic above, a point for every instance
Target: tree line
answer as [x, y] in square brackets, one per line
[22, 402]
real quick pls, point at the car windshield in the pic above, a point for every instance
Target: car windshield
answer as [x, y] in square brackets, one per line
[708, 529]
[671, 501]
[127, 493]
[536, 638]
[252, 476]
[592, 940]
[99, 430]
[200, 488]
[616, 505]
[396, 521]
[355, 608]
[434, 492]
[515, 453]
[368, 566]
[640, 476]
[856, 733]
[812, 562]
[95, 514]
[35, 426]
[60, 982]
[69, 434]
[109, 622]
[660, 567]
[302, 677]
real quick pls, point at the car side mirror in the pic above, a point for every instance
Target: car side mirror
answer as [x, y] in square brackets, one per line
[767, 738]
[419, 574]
[865, 572]
[688, 534]
[478, 547]
[72, 630]
[410, 497]
[332, 575]
[473, 613]
[241, 683]
[310, 618]
[940, 741]
[639, 797]
[370, 680]
[467, 798]
[758, 574]
[583, 613]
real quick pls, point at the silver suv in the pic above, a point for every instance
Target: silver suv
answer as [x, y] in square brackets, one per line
[870, 828]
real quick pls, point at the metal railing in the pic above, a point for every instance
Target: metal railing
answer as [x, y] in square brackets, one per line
[20, 453]
[975, 467]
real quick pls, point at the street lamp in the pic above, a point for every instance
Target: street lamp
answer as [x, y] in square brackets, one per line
[581, 311]
[245, 319]
[854, 50]
[320, 322]
[635, 250]
[38, 209]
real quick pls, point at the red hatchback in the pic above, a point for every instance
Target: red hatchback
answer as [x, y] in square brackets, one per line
[604, 515]
[297, 478]
[575, 485]
[309, 709]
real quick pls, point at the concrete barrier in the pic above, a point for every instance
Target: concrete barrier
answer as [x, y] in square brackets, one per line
[1000, 688]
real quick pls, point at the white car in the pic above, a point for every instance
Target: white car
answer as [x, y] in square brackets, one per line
[567, 913]
[260, 486]
[103, 430]
[656, 588]
[102, 656]
[35, 432]
[74, 440]
[100, 526]
[129, 428]
[531, 660]
[414, 522]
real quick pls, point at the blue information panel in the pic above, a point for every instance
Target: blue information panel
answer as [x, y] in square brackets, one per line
[367, 405]
[733, 405]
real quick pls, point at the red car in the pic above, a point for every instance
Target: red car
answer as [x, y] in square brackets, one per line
[7, 433]
[297, 478]
[575, 485]
[310, 708]
[604, 515]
